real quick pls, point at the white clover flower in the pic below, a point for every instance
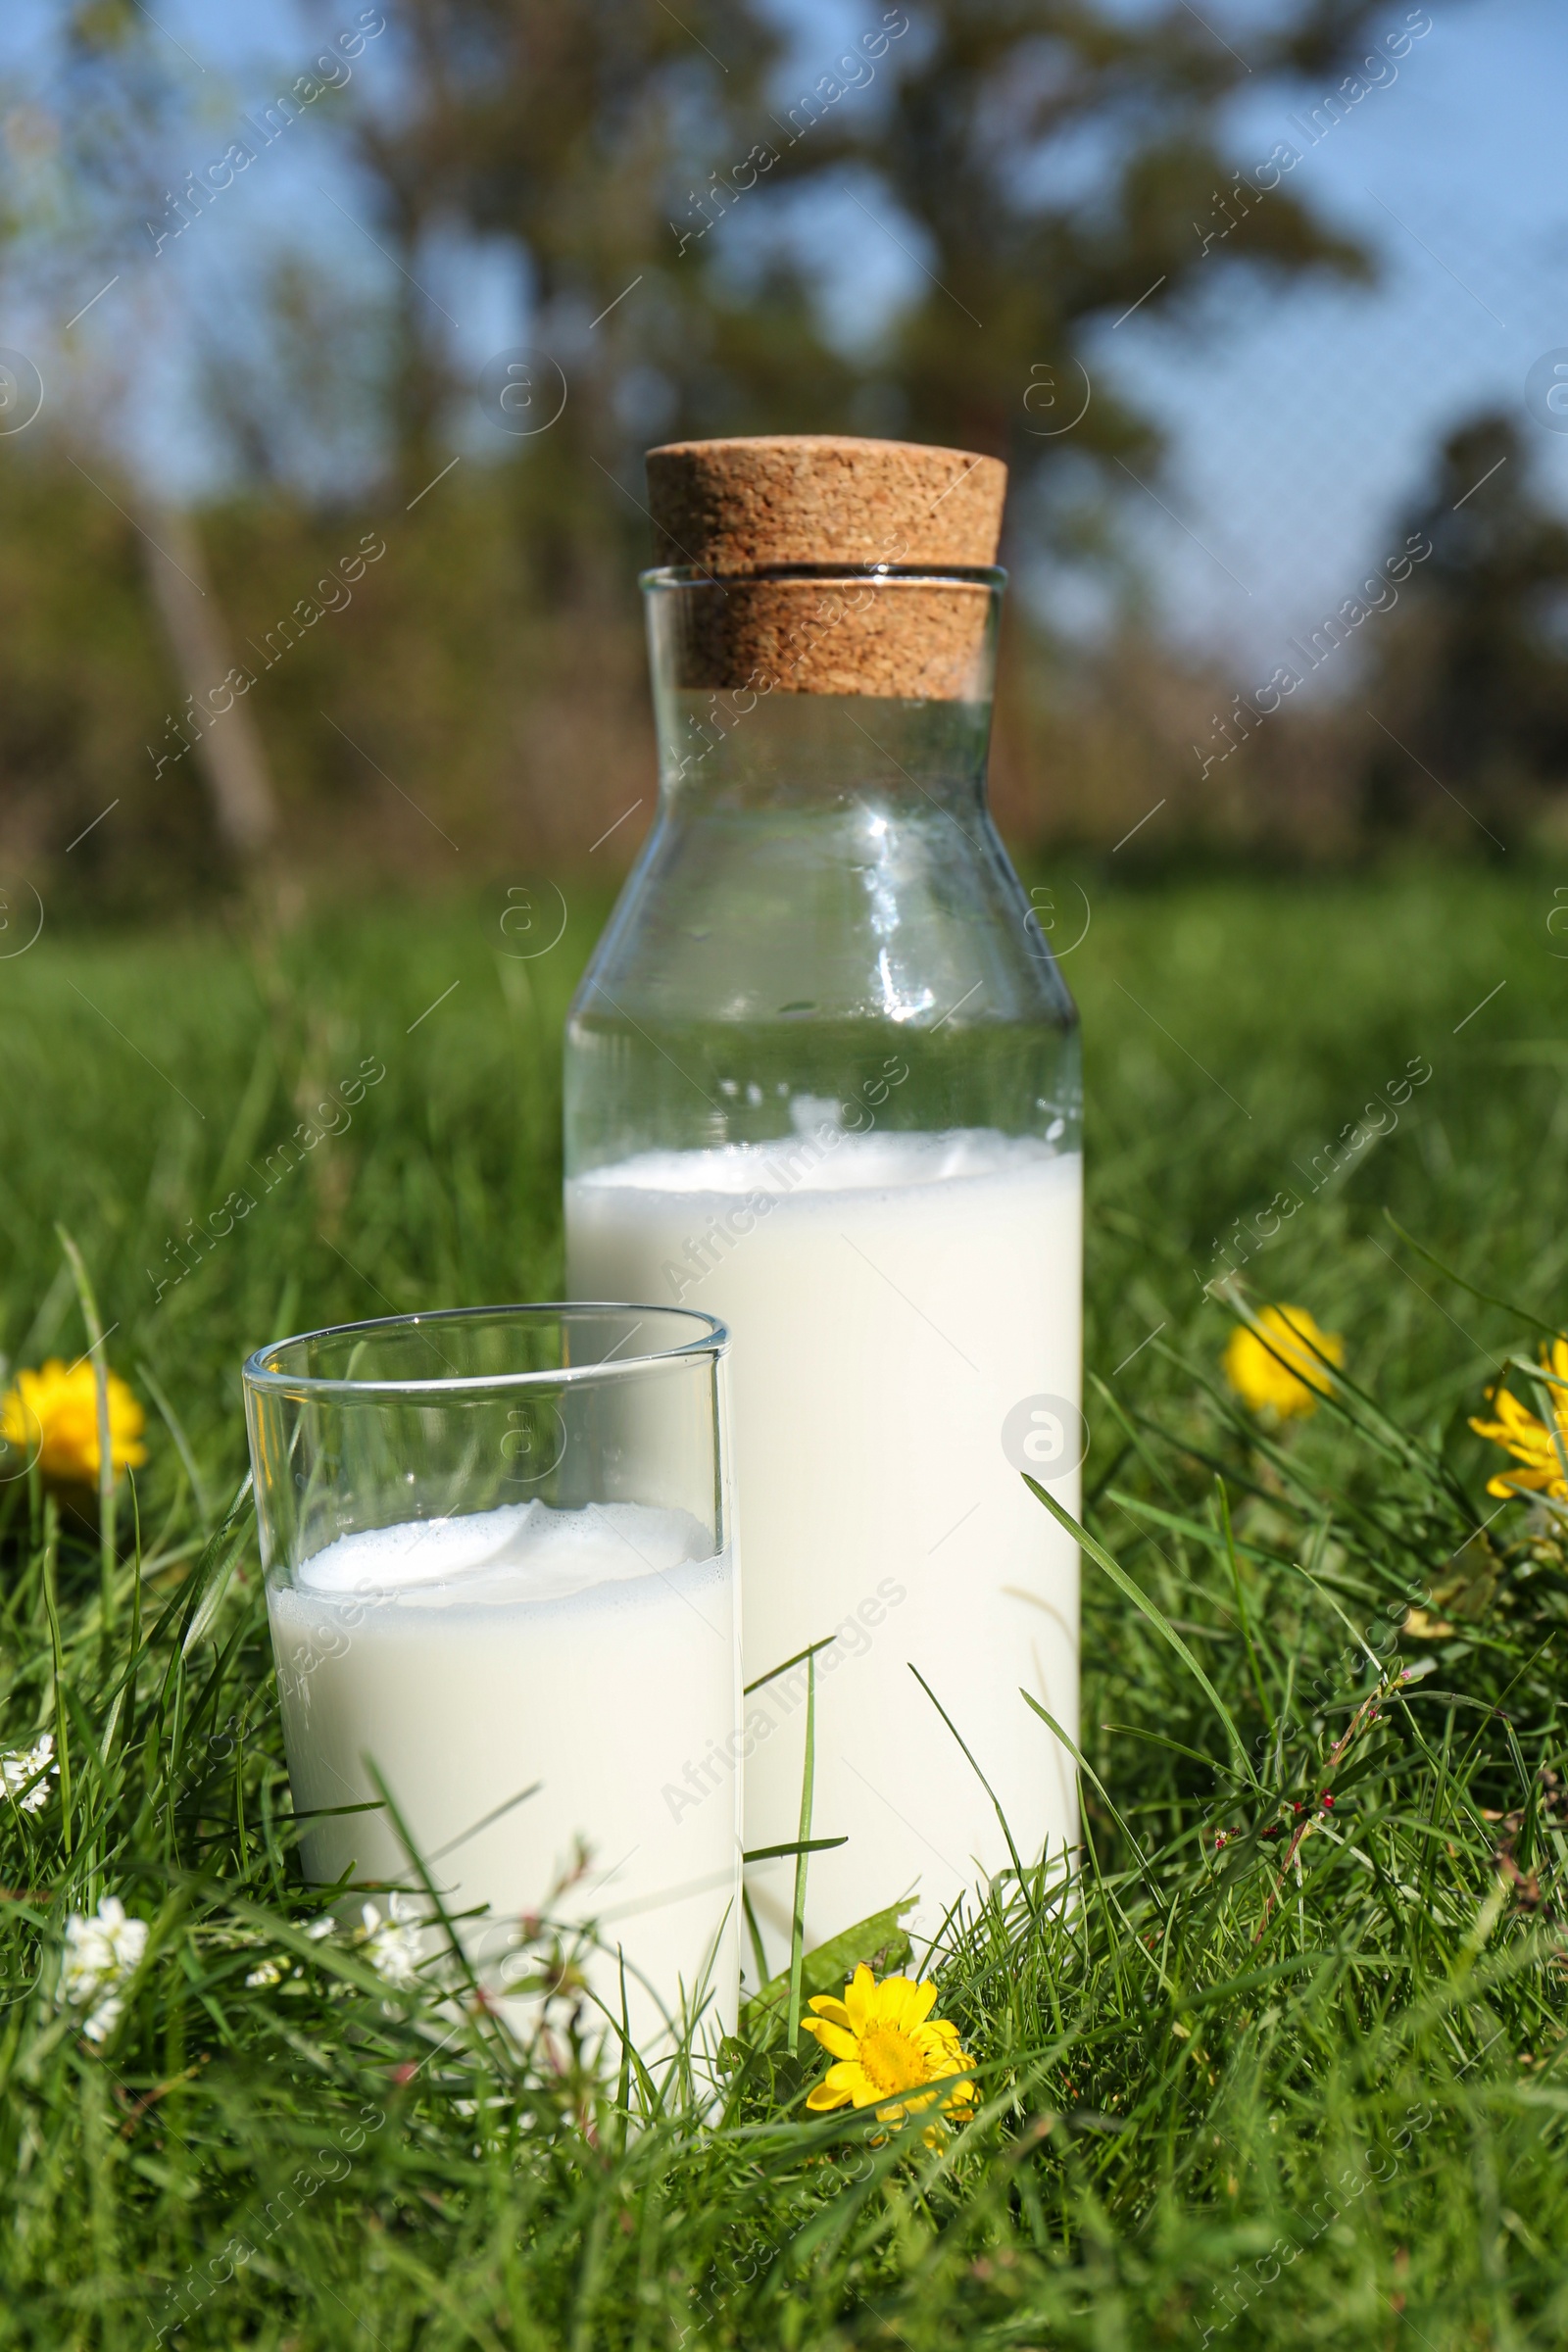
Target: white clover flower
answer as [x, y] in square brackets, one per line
[268, 1973]
[102, 1954]
[17, 1769]
[392, 1943]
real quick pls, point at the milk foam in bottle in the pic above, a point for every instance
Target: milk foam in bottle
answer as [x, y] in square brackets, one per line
[822, 1082]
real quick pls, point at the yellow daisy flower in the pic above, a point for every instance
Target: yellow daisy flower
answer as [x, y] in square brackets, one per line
[1533, 1446]
[52, 1416]
[1263, 1381]
[887, 2044]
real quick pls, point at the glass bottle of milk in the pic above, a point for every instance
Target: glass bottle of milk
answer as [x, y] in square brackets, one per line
[822, 1082]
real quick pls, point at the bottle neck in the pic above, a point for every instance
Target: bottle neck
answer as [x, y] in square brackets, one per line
[808, 687]
[735, 751]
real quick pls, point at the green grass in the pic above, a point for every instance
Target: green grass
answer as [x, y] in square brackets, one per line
[1229, 2098]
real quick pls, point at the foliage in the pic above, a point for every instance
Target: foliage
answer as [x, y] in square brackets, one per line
[1471, 683]
[1043, 159]
[1044, 164]
[1286, 2072]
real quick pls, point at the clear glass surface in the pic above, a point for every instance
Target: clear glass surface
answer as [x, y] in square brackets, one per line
[823, 892]
[502, 1592]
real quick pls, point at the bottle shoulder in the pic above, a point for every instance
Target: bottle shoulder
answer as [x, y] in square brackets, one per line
[869, 908]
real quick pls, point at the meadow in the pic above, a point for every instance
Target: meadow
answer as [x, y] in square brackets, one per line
[1288, 2068]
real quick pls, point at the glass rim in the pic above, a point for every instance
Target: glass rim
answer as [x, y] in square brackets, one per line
[260, 1373]
[697, 575]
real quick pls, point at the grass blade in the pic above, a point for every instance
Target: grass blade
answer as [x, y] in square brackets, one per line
[1157, 1617]
[807, 1786]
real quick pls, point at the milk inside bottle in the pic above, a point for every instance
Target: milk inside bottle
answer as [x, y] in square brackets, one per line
[822, 1083]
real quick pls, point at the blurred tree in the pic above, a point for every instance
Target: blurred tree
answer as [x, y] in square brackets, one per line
[1470, 685]
[1048, 165]
[229, 749]
[693, 195]
[559, 129]
[1060, 162]
[87, 158]
[88, 692]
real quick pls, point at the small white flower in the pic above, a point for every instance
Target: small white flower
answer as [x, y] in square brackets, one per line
[104, 2019]
[391, 1943]
[317, 1928]
[102, 1954]
[17, 1769]
[270, 1973]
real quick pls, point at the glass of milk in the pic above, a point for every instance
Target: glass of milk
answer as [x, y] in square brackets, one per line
[822, 1080]
[502, 1587]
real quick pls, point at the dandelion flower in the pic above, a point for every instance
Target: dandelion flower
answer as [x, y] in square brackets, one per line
[390, 1943]
[52, 1416]
[1538, 1450]
[887, 2044]
[101, 1954]
[1264, 1382]
[30, 1764]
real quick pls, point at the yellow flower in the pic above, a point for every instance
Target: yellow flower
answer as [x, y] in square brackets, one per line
[1528, 1439]
[887, 2044]
[52, 1416]
[1262, 1380]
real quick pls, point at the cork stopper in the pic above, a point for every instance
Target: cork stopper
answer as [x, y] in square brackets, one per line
[729, 506]
[742, 510]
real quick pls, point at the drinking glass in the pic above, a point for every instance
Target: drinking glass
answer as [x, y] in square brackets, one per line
[502, 1592]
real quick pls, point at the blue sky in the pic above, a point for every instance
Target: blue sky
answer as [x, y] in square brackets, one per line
[1298, 424]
